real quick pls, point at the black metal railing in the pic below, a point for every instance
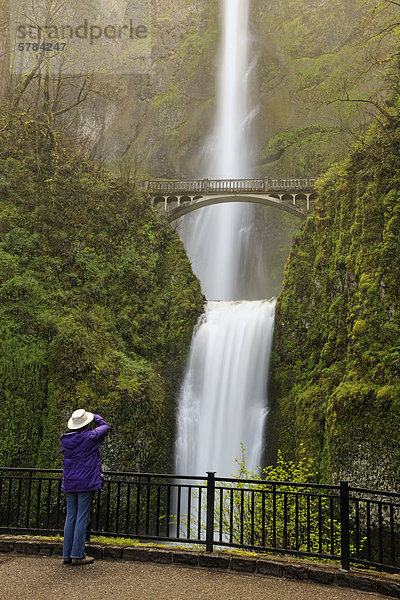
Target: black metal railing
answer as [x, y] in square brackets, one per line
[353, 526]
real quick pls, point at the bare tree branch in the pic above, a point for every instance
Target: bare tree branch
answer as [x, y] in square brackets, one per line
[364, 101]
[26, 79]
[82, 96]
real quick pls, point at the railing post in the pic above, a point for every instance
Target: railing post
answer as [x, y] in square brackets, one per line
[205, 185]
[28, 502]
[344, 525]
[266, 180]
[210, 510]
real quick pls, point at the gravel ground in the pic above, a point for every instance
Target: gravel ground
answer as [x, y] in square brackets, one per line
[44, 578]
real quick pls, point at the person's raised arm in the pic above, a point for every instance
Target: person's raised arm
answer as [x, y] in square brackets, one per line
[101, 429]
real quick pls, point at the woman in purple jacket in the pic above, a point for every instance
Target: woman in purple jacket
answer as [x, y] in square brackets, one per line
[82, 476]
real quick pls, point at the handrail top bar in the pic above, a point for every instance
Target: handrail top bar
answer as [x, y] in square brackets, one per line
[179, 481]
[367, 491]
[178, 477]
[117, 473]
[314, 178]
[31, 469]
[278, 483]
[203, 478]
[382, 502]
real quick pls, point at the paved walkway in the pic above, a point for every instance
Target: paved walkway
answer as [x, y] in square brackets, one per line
[47, 578]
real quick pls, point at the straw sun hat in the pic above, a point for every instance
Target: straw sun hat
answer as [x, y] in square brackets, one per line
[80, 418]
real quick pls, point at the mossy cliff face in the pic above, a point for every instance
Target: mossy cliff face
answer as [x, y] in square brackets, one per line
[336, 361]
[98, 303]
[153, 113]
[310, 53]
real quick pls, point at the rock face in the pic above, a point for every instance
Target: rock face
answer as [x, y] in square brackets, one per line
[303, 53]
[336, 366]
[309, 53]
[157, 118]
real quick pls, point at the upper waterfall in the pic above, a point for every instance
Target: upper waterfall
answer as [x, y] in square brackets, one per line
[228, 149]
[213, 238]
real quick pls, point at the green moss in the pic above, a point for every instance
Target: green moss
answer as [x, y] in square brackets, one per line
[336, 359]
[359, 327]
[98, 303]
[311, 53]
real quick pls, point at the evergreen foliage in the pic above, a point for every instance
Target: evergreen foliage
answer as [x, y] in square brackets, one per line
[97, 300]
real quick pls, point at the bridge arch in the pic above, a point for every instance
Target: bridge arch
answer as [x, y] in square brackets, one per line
[180, 197]
[266, 200]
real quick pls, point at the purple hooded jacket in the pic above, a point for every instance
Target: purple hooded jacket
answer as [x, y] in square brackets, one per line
[81, 457]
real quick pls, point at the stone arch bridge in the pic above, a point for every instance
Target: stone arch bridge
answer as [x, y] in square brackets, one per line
[180, 197]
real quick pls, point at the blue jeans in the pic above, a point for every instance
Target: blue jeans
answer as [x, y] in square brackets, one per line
[76, 522]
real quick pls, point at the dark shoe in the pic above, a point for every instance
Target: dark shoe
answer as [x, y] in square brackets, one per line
[82, 561]
[67, 561]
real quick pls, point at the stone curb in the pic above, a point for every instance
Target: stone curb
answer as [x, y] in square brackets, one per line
[322, 574]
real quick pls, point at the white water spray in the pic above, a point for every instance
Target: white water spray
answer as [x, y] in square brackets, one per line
[223, 400]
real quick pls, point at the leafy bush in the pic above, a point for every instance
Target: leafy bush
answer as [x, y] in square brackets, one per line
[276, 514]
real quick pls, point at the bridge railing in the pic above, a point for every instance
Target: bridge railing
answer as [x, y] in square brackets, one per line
[349, 525]
[216, 186]
[173, 187]
[307, 183]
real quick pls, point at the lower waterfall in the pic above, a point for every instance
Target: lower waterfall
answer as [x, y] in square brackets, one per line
[223, 401]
